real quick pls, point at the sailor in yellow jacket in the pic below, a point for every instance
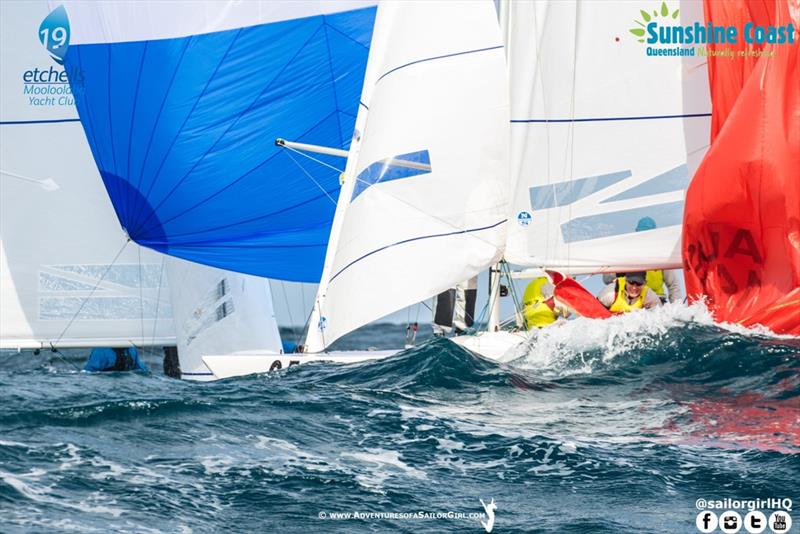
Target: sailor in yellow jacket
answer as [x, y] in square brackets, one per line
[629, 292]
[656, 280]
[539, 306]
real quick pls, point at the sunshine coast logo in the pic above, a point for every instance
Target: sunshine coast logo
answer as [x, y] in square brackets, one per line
[662, 31]
[661, 13]
[49, 86]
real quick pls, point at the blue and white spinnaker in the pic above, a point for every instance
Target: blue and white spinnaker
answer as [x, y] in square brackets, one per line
[181, 104]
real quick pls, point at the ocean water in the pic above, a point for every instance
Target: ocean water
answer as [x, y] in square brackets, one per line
[596, 426]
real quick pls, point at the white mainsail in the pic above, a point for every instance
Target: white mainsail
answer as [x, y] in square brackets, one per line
[435, 95]
[66, 276]
[602, 136]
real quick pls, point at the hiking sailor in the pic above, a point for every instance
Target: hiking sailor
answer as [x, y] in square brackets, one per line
[539, 305]
[629, 292]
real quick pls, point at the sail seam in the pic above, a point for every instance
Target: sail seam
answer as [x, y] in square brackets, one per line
[141, 226]
[248, 173]
[603, 119]
[44, 121]
[385, 74]
[419, 238]
[233, 123]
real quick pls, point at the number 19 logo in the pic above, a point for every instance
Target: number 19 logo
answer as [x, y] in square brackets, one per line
[54, 34]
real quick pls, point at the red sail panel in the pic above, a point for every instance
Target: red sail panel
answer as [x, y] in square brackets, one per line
[741, 228]
[577, 297]
[727, 76]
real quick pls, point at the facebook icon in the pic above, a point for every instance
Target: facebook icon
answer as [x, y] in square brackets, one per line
[706, 521]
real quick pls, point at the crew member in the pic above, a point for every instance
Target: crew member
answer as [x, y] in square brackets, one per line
[539, 305]
[629, 292]
[658, 280]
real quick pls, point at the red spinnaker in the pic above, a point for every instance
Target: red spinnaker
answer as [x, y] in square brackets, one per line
[576, 297]
[741, 227]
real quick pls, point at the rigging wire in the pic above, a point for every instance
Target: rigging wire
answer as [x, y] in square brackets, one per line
[289, 309]
[63, 358]
[547, 129]
[572, 128]
[86, 299]
[141, 299]
[513, 289]
[312, 178]
[312, 158]
[158, 301]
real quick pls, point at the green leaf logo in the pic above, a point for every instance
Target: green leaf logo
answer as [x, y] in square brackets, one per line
[646, 17]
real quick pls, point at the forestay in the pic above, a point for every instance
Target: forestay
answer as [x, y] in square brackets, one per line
[602, 136]
[435, 96]
[182, 103]
[66, 276]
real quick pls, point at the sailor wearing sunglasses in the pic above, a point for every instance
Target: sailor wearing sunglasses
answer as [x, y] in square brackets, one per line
[628, 292]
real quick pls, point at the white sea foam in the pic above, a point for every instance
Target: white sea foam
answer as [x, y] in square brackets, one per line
[73, 457]
[41, 495]
[572, 341]
[382, 464]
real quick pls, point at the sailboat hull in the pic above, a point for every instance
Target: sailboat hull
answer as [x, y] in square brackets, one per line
[492, 345]
[230, 365]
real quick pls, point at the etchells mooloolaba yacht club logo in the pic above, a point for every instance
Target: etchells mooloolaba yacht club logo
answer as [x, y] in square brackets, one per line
[48, 84]
[664, 32]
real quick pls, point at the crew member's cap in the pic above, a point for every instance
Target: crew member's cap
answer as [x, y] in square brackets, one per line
[637, 277]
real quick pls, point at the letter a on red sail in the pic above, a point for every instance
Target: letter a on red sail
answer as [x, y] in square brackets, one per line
[741, 228]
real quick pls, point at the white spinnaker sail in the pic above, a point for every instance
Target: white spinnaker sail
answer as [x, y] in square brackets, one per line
[601, 136]
[435, 94]
[219, 312]
[58, 232]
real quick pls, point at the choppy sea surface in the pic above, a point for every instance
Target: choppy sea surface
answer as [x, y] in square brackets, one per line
[597, 426]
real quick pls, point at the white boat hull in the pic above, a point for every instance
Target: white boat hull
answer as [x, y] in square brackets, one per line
[241, 364]
[497, 346]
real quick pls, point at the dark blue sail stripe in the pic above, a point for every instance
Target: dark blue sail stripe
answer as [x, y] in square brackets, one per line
[385, 74]
[419, 238]
[604, 119]
[43, 121]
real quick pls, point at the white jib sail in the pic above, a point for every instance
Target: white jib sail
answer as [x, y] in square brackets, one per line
[61, 278]
[219, 312]
[435, 95]
[601, 136]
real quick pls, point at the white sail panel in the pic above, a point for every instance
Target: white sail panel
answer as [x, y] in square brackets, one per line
[61, 279]
[219, 312]
[601, 136]
[435, 97]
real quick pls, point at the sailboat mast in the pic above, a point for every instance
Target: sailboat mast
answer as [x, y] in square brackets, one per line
[315, 336]
[493, 322]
